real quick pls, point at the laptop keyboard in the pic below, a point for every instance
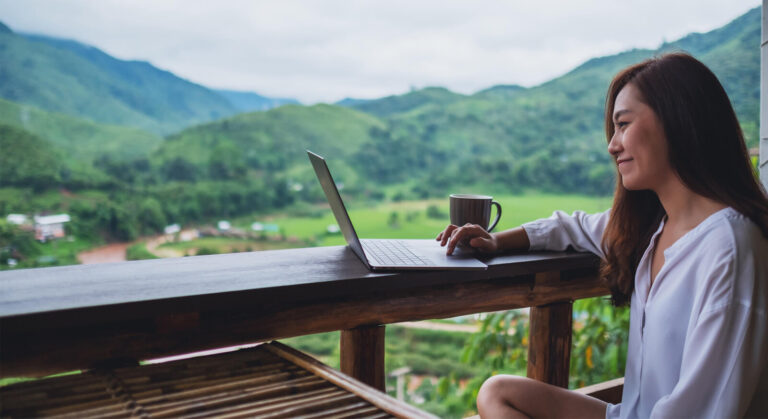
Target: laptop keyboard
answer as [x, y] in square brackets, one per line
[392, 253]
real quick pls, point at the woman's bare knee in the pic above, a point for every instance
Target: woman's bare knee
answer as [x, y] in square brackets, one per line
[511, 396]
[496, 397]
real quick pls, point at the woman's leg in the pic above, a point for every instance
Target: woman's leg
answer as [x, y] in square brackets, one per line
[507, 396]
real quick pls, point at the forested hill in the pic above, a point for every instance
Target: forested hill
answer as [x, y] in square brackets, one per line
[431, 140]
[271, 142]
[80, 139]
[551, 136]
[427, 142]
[249, 101]
[72, 78]
[395, 104]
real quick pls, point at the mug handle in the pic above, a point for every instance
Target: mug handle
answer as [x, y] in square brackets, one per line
[498, 215]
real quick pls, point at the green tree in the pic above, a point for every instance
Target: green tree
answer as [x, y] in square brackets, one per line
[16, 243]
[227, 162]
[27, 160]
[600, 335]
[180, 169]
[151, 216]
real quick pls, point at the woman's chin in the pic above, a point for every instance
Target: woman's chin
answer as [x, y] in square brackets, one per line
[631, 186]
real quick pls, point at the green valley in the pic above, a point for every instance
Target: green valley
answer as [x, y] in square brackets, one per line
[120, 181]
[127, 149]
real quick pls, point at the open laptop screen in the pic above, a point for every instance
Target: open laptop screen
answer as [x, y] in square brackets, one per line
[337, 205]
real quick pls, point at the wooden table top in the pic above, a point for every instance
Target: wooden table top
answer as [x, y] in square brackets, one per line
[217, 279]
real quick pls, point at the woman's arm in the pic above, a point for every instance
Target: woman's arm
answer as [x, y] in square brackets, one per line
[477, 238]
[580, 231]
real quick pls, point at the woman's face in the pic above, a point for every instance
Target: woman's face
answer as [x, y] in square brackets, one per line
[639, 144]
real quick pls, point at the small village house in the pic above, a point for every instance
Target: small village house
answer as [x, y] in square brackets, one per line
[50, 226]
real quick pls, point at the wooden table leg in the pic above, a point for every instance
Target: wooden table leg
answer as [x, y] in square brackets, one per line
[362, 355]
[549, 346]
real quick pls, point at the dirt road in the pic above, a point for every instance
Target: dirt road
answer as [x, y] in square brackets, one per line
[114, 252]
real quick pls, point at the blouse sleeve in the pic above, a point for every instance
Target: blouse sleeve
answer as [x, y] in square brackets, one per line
[580, 231]
[725, 350]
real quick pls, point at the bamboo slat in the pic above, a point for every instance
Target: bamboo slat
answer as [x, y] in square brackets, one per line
[348, 410]
[214, 400]
[267, 381]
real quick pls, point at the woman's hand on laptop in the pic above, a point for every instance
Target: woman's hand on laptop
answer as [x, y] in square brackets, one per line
[469, 234]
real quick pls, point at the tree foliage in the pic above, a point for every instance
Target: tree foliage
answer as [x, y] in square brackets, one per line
[423, 144]
[598, 352]
[27, 160]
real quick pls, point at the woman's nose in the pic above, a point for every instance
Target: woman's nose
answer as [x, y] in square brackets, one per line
[614, 146]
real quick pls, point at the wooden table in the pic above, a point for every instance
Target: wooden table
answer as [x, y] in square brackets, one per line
[75, 317]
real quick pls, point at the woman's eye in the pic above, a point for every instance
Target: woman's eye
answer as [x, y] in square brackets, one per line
[621, 124]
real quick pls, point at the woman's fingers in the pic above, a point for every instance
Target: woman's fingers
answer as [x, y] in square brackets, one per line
[464, 234]
[446, 234]
[457, 236]
[470, 234]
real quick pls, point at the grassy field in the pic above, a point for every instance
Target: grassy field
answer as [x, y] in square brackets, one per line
[138, 251]
[55, 253]
[308, 226]
[410, 220]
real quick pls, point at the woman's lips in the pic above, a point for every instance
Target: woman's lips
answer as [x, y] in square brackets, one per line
[619, 162]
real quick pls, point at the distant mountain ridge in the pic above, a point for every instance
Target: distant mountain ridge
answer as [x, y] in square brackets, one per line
[425, 143]
[79, 139]
[250, 101]
[548, 136]
[73, 78]
[395, 104]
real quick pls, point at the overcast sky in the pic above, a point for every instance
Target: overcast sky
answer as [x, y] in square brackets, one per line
[326, 50]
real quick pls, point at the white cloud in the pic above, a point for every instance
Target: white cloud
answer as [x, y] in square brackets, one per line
[327, 50]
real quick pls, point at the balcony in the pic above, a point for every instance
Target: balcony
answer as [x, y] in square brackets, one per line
[78, 317]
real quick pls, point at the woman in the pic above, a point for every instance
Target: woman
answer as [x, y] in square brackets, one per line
[686, 242]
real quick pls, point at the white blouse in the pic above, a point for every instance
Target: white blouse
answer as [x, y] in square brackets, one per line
[698, 338]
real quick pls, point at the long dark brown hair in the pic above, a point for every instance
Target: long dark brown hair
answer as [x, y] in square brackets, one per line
[706, 150]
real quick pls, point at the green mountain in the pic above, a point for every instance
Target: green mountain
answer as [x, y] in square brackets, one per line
[272, 141]
[27, 160]
[501, 91]
[506, 137]
[87, 154]
[425, 143]
[350, 102]
[68, 77]
[391, 105]
[250, 101]
[77, 138]
[733, 53]
[550, 136]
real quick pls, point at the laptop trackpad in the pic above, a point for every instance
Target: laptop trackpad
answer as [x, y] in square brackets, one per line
[461, 258]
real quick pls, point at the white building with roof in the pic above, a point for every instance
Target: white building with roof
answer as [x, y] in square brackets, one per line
[50, 226]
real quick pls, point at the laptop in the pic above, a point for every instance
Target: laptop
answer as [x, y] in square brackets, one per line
[385, 254]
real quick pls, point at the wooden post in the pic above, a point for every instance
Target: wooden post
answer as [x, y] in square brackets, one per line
[549, 342]
[362, 355]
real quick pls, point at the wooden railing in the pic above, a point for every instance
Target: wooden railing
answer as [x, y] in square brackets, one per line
[77, 317]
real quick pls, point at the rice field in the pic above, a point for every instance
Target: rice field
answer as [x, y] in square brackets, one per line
[415, 220]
